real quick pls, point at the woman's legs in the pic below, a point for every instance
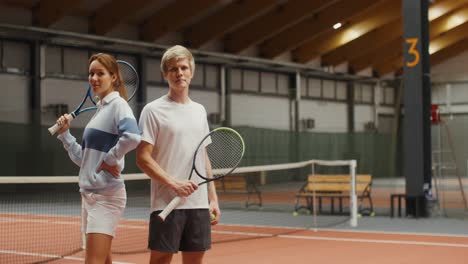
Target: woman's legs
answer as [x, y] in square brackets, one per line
[98, 248]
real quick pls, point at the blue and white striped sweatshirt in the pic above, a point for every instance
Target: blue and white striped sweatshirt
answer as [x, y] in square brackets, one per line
[110, 134]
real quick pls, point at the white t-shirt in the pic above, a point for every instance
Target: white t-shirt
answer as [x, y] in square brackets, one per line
[175, 130]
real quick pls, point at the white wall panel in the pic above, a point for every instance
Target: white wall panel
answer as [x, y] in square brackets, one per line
[260, 111]
[362, 115]
[16, 55]
[453, 69]
[328, 116]
[154, 92]
[209, 99]
[14, 103]
[153, 70]
[69, 92]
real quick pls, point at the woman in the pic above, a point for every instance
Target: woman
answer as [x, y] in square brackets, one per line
[110, 134]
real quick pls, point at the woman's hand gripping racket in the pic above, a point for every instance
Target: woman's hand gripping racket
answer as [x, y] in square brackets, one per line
[224, 148]
[130, 78]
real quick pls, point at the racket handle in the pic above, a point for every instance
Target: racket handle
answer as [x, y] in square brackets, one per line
[169, 208]
[53, 129]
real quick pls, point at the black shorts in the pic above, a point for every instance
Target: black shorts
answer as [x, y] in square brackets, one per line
[184, 230]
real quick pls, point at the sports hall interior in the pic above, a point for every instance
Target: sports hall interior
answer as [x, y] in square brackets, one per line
[353, 113]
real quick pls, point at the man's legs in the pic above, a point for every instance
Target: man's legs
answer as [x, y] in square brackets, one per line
[158, 257]
[195, 257]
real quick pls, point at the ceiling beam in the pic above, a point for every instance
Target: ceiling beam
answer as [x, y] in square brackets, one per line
[359, 46]
[374, 17]
[173, 17]
[375, 56]
[114, 13]
[319, 22]
[271, 23]
[225, 20]
[393, 45]
[447, 39]
[449, 30]
[48, 12]
[443, 7]
[385, 67]
[449, 52]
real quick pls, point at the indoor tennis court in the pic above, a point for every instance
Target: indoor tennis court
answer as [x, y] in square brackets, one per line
[352, 116]
[249, 236]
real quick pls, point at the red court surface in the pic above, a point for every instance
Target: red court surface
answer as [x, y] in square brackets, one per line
[244, 244]
[28, 238]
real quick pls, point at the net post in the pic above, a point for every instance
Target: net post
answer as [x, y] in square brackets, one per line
[314, 205]
[353, 200]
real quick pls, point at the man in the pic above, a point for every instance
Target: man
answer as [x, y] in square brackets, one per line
[172, 128]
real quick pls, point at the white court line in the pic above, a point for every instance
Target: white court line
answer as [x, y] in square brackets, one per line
[398, 233]
[381, 241]
[352, 230]
[357, 240]
[12, 252]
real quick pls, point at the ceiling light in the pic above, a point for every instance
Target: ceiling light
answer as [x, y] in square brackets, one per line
[337, 25]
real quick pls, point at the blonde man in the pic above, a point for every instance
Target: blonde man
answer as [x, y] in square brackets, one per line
[172, 127]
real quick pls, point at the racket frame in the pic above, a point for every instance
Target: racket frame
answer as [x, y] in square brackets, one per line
[53, 129]
[177, 200]
[194, 168]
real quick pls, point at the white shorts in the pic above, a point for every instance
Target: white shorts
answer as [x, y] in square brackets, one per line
[101, 212]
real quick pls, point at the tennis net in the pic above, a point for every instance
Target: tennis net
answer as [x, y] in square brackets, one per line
[41, 216]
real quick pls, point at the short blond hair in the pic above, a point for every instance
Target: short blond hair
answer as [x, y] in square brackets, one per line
[177, 52]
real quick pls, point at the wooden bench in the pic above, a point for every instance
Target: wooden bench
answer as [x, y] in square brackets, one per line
[241, 184]
[335, 186]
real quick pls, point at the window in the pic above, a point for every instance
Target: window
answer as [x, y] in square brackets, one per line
[198, 77]
[153, 70]
[212, 76]
[54, 60]
[341, 88]
[251, 81]
[367, 93]
[388, 95]
[75, 62]
[268, 82]
[315, 87]
[16, 55]
[328, 89]
[283, 84]
[236, 79]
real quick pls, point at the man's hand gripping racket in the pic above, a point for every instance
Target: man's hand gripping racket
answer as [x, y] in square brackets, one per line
[223, 148]
[131, 82]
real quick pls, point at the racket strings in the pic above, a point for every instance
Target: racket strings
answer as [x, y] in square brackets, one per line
[225, 151]
[130, 79]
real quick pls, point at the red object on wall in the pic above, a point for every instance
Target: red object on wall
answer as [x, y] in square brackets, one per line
[435, 116]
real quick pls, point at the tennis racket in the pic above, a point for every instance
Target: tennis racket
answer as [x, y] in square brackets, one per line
[224, 148]
[130, 78]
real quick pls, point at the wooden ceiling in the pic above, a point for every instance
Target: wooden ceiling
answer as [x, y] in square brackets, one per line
[297, 30]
